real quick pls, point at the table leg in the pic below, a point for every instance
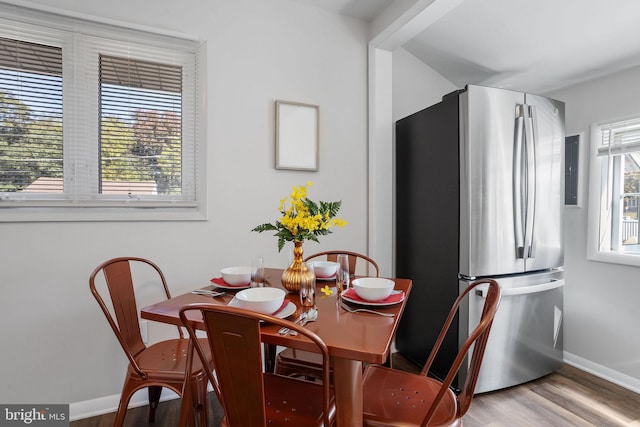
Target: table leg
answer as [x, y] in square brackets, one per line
[269, 357]
[347, 380]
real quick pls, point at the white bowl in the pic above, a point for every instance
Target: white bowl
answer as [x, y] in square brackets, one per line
[262, 300]
[324, 269]
[373, 288]
[236, 276]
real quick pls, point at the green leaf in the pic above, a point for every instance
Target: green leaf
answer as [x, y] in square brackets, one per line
[311, 205]
[331, 207]
[314, 238]
[265, 227]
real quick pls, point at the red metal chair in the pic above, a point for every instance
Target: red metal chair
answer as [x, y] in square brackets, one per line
[162, 364]
[402, 399]
[250, 396]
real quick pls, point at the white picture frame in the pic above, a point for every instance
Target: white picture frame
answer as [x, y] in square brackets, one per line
[297, 136]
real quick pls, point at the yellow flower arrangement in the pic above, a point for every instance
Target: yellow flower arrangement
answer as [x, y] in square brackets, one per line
[303, 219]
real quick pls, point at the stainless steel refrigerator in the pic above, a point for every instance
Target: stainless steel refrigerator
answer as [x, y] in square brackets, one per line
[479, 193]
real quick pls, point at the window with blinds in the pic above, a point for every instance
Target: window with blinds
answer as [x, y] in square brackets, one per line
[31, 144]
[97, 117]
[140, 127]
[616, 178]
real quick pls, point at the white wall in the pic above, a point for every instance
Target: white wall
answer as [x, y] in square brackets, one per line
[601, 299]
[400, 85]
[56, 345]
[415, 85]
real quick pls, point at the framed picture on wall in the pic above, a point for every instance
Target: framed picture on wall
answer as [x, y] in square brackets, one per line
[297, 136]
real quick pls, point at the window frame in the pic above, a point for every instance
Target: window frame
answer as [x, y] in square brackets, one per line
[602, 181]
[87, 39]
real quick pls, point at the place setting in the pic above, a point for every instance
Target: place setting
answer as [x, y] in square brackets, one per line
[371, 292]
[231, 280]
[246, 287]
[266, 300]
[305, 317]
[325, 271]
[237, 278]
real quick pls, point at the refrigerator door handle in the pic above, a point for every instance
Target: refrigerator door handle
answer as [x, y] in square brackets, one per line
[517, 182]
[481, 291]
[530, 176]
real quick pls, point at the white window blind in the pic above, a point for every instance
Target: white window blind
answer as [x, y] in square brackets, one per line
[31, 149]
[98, 116]
[620, 137]
[140, 126]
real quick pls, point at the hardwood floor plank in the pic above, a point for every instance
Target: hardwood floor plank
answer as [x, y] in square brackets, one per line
[519, 406]
[596, 409]
[568, 397]
[620, 398]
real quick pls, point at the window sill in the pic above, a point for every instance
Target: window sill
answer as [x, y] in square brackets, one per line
[84, 214]
[616, 258]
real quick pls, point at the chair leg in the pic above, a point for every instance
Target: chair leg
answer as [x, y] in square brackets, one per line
[201, 403]
[194, 409]
[154, 398]
[123, 405]
[120, 414]
[187, 407]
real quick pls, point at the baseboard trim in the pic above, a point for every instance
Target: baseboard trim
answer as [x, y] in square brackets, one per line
[611, 375]
[107, 404]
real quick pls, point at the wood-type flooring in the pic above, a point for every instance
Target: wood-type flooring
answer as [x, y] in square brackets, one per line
[568, 397]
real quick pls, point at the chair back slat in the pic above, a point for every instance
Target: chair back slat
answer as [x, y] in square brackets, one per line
[235, 344]
[249, 396]
[120, 285]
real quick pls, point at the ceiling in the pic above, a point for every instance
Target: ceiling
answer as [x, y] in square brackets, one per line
[535, 46]
[365, 10]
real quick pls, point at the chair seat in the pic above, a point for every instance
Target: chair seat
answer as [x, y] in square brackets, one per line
[294, 362]
[164, 364]
[300, 363]
[293, 402]
[398, 398]
[166, 361]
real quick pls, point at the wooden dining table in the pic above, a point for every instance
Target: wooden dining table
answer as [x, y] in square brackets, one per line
[352, 338]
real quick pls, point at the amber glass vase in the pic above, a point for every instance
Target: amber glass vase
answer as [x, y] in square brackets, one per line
[297, 272]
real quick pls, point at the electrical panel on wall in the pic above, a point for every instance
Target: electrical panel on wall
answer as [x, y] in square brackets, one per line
[571, 169]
